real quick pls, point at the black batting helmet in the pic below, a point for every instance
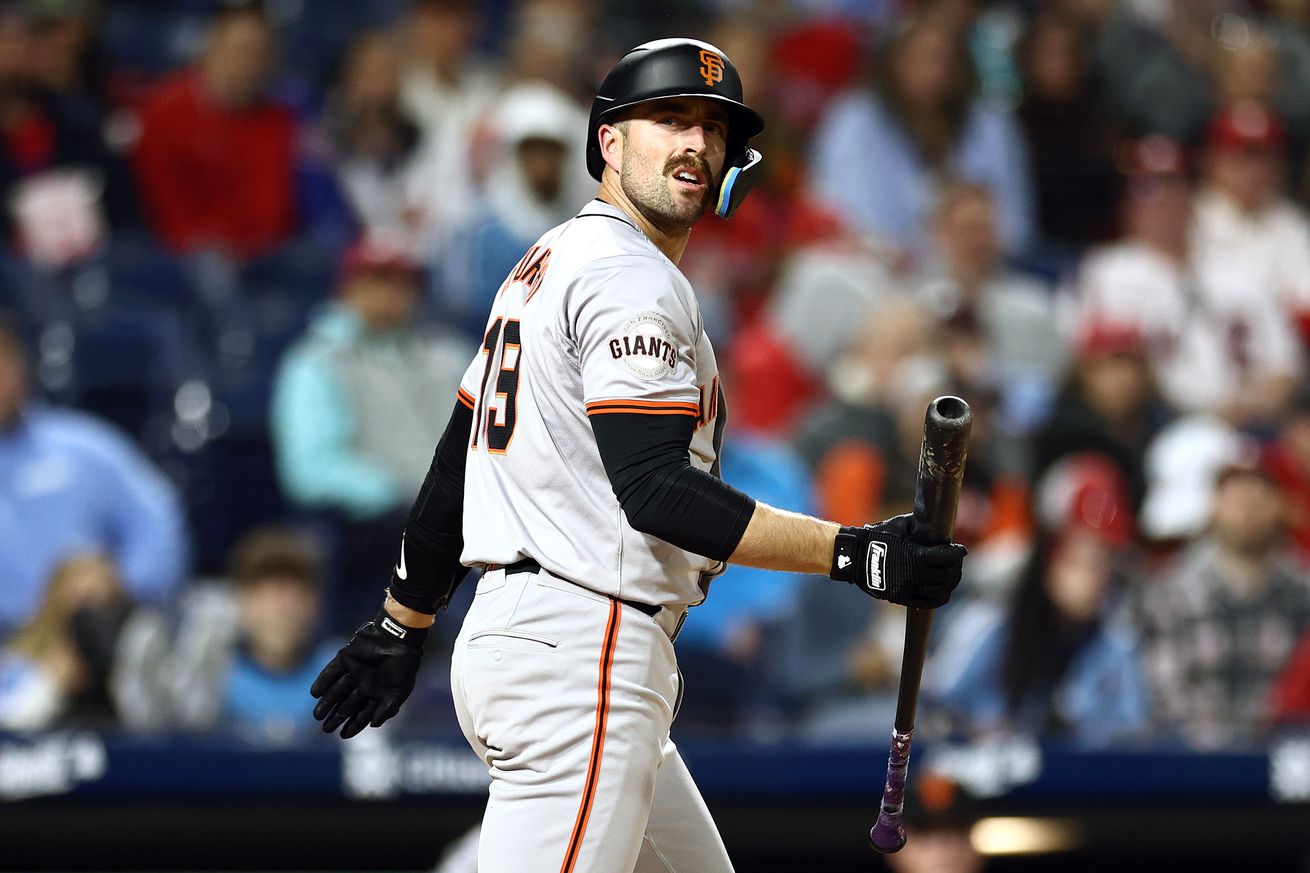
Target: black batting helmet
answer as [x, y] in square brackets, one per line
[681, 68]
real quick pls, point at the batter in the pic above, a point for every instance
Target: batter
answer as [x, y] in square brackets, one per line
[579, 472]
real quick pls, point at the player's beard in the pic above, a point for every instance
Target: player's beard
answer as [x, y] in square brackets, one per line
[651, 193]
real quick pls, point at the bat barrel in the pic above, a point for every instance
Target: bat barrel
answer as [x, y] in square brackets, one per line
[946, 428]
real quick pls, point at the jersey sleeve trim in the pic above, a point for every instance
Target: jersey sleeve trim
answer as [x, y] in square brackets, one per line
[466, 398]
[643, 407]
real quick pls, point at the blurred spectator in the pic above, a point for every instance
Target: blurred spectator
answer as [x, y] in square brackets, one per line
[535, 185]
[863, 445]
[254, 672]
[1248, 235]
[67, 59]
[880, 155]
[852, 444]
[359, 404]
[85, 657]
[215, 158]
[1063, 661]
[69, 484]
[58, 178]
[1156, 60]
[1109, 405]
[1067, 131]
[1223, 625]
[383, 170]
[999, 326]
[448, 91]
[1288, 460]
[1214, 346]
[553, 43]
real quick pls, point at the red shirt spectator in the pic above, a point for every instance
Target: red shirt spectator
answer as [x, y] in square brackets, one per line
[215, 158]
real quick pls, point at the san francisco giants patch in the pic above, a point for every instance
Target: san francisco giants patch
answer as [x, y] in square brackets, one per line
[877, 566]
[645, 348]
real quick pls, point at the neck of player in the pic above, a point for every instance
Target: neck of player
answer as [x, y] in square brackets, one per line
[672, 241]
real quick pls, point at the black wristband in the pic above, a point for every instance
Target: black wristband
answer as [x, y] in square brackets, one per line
[414, 637]
[845, 553]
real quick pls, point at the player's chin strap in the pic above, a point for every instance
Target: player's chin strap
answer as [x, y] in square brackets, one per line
[737, 182]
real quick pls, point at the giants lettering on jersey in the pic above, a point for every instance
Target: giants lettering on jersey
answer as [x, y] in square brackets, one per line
[646, 347]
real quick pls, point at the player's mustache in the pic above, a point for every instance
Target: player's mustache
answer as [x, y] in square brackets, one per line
[701, 166]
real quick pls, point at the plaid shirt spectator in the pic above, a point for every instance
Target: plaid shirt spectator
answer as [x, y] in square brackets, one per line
[1216, 644]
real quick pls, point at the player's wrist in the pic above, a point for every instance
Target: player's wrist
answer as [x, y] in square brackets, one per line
[408, 618]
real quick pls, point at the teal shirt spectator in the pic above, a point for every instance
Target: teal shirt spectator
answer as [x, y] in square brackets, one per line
[356, 415]
[70, 484]
[272, 706]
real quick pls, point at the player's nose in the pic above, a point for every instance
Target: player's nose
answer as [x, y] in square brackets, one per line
[693, 139]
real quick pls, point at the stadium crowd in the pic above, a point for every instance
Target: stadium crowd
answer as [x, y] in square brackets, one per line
[249, 249]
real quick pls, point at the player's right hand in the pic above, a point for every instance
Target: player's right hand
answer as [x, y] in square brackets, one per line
[883, 561]
[370, 677]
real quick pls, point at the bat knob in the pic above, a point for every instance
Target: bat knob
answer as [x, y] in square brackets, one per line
[888, 835]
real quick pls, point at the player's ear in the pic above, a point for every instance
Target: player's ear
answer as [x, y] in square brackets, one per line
[611, 145]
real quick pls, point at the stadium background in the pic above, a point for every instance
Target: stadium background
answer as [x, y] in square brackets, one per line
[247, 252]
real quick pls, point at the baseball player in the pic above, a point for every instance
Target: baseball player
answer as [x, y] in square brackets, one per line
[579, 473]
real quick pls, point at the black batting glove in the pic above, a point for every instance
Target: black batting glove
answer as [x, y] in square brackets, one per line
[884, 562]
[370, 677]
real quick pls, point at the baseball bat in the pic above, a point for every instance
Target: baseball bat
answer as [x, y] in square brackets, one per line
[945, 447]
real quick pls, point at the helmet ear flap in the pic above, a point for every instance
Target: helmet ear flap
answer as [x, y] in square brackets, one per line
[738, 179]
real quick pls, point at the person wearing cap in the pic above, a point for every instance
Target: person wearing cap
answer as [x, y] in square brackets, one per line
[351, 418]
[534, 187]
[1247, 234]
[1109, 404]
[1221, 626]
[1211, 348]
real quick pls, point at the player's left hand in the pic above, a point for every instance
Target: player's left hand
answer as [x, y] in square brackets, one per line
[885, 562]
[370, 677]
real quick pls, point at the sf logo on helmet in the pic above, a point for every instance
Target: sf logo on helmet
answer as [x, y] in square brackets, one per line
[711, 67]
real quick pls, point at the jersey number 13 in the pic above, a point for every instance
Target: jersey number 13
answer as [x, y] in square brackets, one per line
[501, 344]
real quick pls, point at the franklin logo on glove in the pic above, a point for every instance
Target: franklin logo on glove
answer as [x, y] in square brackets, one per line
[877, 564]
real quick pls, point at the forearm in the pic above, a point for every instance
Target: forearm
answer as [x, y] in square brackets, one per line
[429, 567]
[780, 540]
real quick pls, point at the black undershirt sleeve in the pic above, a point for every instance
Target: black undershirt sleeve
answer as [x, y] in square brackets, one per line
[662, 494]
[434, 537]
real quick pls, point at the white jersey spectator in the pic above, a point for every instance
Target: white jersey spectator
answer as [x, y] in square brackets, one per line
[449, 94]
[1214, 346]
[1246, 233]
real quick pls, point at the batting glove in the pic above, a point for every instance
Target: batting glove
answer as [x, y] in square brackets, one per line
[370, 677]
[883, 561]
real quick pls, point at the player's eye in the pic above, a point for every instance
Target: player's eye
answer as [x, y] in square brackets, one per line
[668, 120]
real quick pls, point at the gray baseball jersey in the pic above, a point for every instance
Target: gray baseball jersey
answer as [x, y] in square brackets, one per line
[594, 320]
